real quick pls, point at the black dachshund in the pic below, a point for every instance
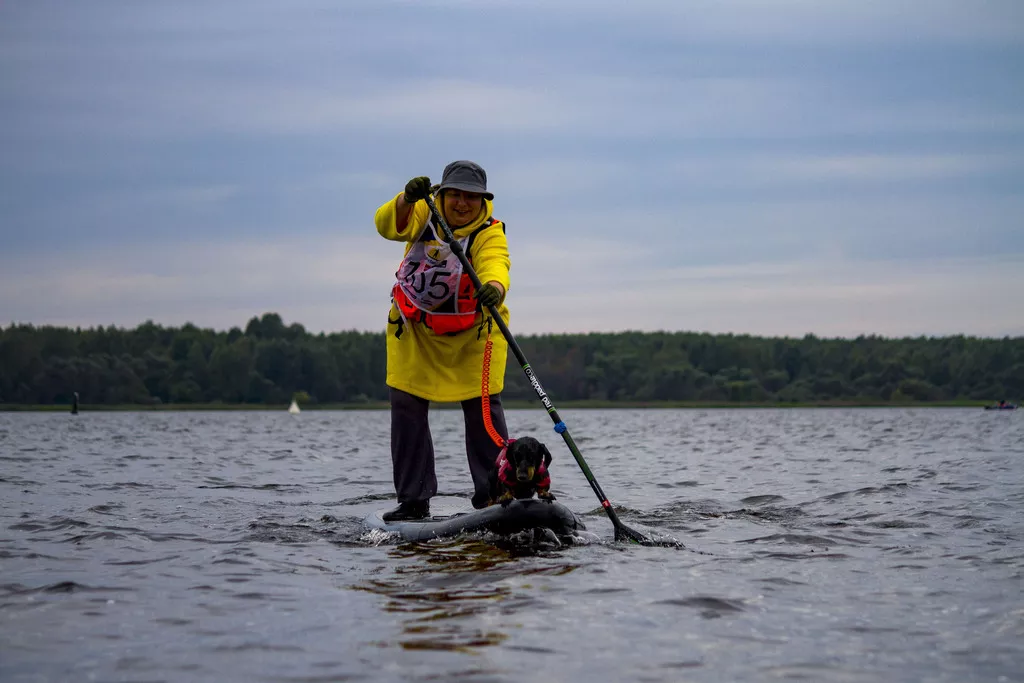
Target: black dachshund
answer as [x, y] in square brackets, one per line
[521, 470]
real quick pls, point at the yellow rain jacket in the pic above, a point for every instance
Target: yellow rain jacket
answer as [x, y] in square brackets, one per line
[439, 367]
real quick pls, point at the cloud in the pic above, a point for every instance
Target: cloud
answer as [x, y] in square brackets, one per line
[878, 167]
[200, 104]
[742, 226]
[557, 287]
[216, 161]
[828, 298]
[549, 178]
[651, 107]
[201, 281]
[803, 22]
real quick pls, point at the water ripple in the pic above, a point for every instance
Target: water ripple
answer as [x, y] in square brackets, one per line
[820, 545]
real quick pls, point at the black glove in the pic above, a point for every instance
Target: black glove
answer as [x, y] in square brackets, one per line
[488, 295]
[416, 189]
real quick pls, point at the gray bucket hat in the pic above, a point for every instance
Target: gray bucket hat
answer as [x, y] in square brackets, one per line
[466, 176]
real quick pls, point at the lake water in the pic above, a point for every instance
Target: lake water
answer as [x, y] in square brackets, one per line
[820, 545]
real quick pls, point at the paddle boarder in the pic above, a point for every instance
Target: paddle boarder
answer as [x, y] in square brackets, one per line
[437, 327]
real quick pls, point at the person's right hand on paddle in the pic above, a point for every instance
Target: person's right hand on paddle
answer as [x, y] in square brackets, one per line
[416, 189]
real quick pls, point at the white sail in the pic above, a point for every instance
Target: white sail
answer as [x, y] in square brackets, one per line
[294, 408]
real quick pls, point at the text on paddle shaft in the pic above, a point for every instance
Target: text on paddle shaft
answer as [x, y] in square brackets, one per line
[537, 387]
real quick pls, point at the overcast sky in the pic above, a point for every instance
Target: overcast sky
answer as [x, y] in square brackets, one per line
[771, 167]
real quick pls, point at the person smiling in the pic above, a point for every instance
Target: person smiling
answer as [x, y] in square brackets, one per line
[437, 329]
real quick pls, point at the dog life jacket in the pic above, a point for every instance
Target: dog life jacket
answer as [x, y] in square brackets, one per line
[431, 287]
[508, 477]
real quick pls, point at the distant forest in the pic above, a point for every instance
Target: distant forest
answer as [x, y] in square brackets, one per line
[269, 363]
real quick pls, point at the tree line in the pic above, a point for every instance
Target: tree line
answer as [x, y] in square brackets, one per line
[269, 363]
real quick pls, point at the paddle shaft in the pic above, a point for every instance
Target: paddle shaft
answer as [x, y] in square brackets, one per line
[457, 249]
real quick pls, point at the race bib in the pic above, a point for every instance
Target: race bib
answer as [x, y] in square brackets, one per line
[429, 275]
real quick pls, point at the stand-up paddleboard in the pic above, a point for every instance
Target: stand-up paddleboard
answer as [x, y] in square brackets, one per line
[519, 515]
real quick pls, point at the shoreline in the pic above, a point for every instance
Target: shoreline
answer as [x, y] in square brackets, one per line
[508, 404]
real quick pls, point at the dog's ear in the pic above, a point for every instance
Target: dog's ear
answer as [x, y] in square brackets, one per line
[546, 453]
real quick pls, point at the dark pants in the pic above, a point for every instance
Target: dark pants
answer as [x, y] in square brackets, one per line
[412, 450]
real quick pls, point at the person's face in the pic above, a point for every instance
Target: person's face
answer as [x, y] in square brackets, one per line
[460, 207]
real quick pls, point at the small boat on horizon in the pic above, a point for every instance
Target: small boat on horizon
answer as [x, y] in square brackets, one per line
[1002, 405]
[294, 408]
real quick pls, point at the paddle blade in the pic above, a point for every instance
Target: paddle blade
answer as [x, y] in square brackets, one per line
[624, 533]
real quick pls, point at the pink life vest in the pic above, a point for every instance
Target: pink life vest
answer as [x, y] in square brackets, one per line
[508, 476]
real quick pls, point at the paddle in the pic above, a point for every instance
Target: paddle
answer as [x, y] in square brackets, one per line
[622, 532]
